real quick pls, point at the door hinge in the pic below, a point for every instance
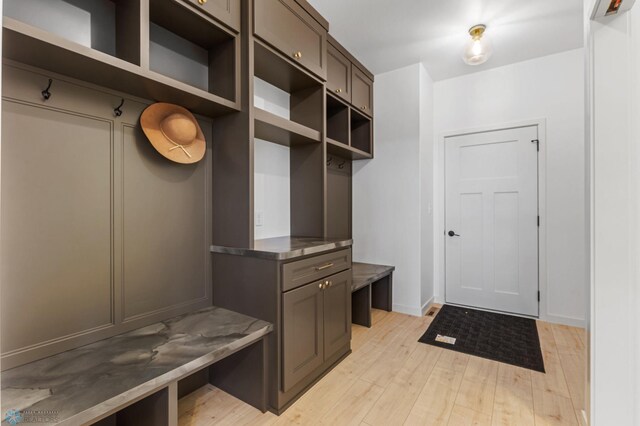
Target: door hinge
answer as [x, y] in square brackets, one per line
[538, 296]
[537, 142]
[538, 221]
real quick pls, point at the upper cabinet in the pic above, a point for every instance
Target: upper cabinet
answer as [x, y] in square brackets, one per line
[288, 27]
[338, 73]
[361, 91]
[226, 11]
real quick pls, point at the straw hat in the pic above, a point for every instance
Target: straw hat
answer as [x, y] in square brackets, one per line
[174, 132]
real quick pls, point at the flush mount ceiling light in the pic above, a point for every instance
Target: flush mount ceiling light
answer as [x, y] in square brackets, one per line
[478, 49]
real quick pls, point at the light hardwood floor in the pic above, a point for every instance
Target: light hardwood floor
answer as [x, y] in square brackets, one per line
[391, 379]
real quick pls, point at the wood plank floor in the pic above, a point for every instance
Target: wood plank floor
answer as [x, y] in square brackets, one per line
[391, 379]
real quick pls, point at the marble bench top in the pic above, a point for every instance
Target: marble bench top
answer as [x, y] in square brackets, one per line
[285, 248]
[89, 382]
[367, 273]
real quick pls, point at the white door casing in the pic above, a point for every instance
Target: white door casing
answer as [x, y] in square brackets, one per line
[491, 203]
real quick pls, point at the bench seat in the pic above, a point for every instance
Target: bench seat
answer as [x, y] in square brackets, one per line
[90, 383]
[372, 287]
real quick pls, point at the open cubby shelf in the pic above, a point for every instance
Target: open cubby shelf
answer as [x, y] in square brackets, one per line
[116, 60]
[361, 132]
[337, 120]
[346, 151]
[273, 128]
[306, 95]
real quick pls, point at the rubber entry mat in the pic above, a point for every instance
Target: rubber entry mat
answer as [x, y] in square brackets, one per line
[499, 337]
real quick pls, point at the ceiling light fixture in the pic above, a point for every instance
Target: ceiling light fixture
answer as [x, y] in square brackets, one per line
[478, 49]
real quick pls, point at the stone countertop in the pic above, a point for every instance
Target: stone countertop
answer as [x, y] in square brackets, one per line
[83, 384]
[366, 273]
[284, 248]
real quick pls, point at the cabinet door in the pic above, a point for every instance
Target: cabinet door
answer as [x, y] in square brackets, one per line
[225, 11]
[361, 91]
[302, 333]
[338, 73]
[289, 28]
[337, 313]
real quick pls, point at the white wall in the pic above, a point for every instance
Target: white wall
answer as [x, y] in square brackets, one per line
[271, 170]
[552, 88]
[387, 205]
[615, 230]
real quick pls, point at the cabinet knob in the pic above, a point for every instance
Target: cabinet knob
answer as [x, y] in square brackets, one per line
[202, 1]
[297, 55]
[338, 90]
[363, 108]
[329, 283]
[321, 286]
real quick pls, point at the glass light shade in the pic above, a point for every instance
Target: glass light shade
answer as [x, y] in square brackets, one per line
[478, 49]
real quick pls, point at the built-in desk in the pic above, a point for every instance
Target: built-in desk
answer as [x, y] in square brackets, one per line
[135, 378]
[372, 287]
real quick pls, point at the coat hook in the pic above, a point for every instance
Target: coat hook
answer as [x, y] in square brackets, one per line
[341, 165]
[117, 111]
[46, 94]
[329, 160]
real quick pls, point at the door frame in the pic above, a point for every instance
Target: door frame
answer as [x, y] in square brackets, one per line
[440, 214]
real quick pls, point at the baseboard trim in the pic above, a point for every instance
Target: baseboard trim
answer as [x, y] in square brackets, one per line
[559, 319]
[408, 310]
[427, 305]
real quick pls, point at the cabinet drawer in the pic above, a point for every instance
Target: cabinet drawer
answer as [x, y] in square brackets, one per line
[298, 273]
[225, 11]
[338, 73]
[289, 28]
[361, 91]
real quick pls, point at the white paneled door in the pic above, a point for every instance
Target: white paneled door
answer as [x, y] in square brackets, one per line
[492, 220]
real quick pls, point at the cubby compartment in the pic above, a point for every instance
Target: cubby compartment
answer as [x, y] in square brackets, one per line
[304, 122]
[193, 49]
[108, 26]
[152, 410]
[361, 133]
[337, 120]
[338, 197]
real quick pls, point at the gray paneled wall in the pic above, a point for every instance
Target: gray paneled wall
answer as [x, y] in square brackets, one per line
[101, 234]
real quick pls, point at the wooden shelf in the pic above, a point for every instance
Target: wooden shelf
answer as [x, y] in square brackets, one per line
[33, 46]
[346, 151]
[273, 128]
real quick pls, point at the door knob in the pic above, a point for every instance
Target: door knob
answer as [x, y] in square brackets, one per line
[453, 234]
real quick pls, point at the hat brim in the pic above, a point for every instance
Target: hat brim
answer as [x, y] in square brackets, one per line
[150, 121]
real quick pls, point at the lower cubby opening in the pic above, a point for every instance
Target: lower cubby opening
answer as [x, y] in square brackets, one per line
[152, 410]
[361, 132]
[109, 26]
[337, 120]
[191, 49]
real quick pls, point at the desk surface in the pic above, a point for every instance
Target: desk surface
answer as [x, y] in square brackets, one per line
[367, 273]
[89, 382]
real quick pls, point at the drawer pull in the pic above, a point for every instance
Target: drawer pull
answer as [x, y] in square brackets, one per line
[323, 267]
[297, 55]
[338, 90]
[202, 1]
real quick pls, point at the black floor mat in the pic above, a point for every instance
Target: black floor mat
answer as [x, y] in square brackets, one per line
[505, 338]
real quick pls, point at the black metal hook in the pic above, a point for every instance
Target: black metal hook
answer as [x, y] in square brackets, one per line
[329, 160]
[46, 94]
[341, 165]
[117, 111]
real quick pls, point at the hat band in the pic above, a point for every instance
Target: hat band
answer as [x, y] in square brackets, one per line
[177, 145]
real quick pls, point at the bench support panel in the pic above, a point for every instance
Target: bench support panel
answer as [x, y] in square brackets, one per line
[361, 306]
[381, 297]
[244, 375]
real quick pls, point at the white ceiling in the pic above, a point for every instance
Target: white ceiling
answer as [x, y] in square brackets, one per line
[390, 34]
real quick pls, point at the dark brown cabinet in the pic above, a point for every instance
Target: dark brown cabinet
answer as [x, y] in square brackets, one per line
[316, 325]
[225, 11]
[286, 26]
[361, 91]
[338, 73]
